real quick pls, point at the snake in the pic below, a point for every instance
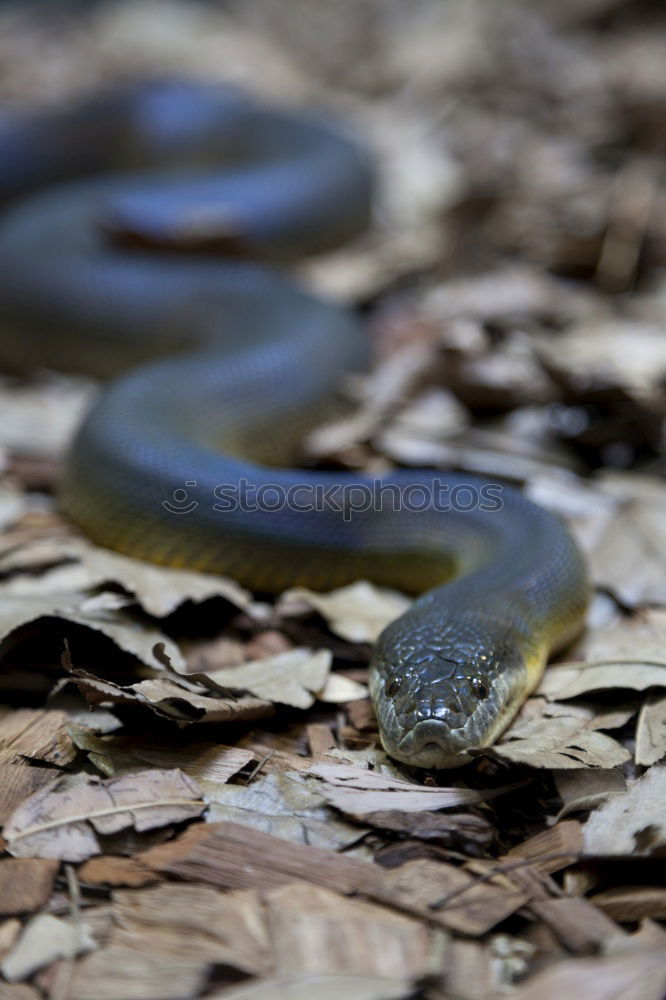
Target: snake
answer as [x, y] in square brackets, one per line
[145, 237]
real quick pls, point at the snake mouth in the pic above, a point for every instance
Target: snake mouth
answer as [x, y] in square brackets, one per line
[432, 744]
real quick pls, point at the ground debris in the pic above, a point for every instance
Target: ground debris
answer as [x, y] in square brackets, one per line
[194, 801]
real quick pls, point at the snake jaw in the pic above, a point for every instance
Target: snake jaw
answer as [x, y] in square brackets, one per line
[432, 744]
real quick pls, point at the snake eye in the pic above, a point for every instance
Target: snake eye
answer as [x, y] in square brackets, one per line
[479, 688]
[392, 686]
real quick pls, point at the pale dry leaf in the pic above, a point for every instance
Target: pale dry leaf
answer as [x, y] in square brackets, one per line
[633, 822]
[43, 940]
[560, 742]
[134, 637]
[610, 354]
[290, 678]
[651, 731]
[358, 612]
[159, 590]
[322, 987]
[12, 502]
[289, 806]
[628, 559]
[572, 680]
[39, 418]
[61, 822]
[584, 790]
[120, 972]
[212, 763]
[356, 791]
[339, 689]
[634, 975]
[174, 698]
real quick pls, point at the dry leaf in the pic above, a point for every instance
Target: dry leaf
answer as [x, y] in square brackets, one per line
[172, 697]
[321, 987]
[206, 763]
[651, 731]
[358, 612]
[338, 690]
[119, 972]
[359, 792]
[636, 975]
[61, 822]
[584, 790]
[136, 638]
[159, 590]
[44, 939]
[291, 678]
[633, 822]
[562, 742]
[629, 557]
[289, 806]
[12, 501]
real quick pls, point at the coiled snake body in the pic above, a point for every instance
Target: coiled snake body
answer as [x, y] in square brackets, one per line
[106, 273]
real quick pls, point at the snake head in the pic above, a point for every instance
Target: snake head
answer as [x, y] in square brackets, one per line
[440, 692]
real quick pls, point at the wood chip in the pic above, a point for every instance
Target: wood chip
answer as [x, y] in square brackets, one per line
[234, 856]
[316, 931]
[577, 923]
[633, 903]
[25, 884]
[35, 734]
[188, 921]
[639, 975]
[115, 871]
[552, 849]
[17, 782]
[446, 895]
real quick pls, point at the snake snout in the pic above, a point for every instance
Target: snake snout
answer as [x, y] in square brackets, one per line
[433, 744]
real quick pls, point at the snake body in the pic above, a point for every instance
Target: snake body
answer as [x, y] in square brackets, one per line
[107, 273]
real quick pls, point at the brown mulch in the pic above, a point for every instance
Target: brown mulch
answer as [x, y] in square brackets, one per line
[192, 796]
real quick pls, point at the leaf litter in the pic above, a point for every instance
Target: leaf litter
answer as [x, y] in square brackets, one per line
[193, 798]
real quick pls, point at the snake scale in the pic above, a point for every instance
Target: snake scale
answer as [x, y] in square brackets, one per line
[130, 245]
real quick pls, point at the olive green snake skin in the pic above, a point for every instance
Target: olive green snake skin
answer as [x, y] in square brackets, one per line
[144, 268]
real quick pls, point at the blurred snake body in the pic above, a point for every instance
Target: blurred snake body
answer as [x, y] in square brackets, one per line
[126, 248]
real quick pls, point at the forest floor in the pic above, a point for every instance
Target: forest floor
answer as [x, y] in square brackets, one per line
[194, 800]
